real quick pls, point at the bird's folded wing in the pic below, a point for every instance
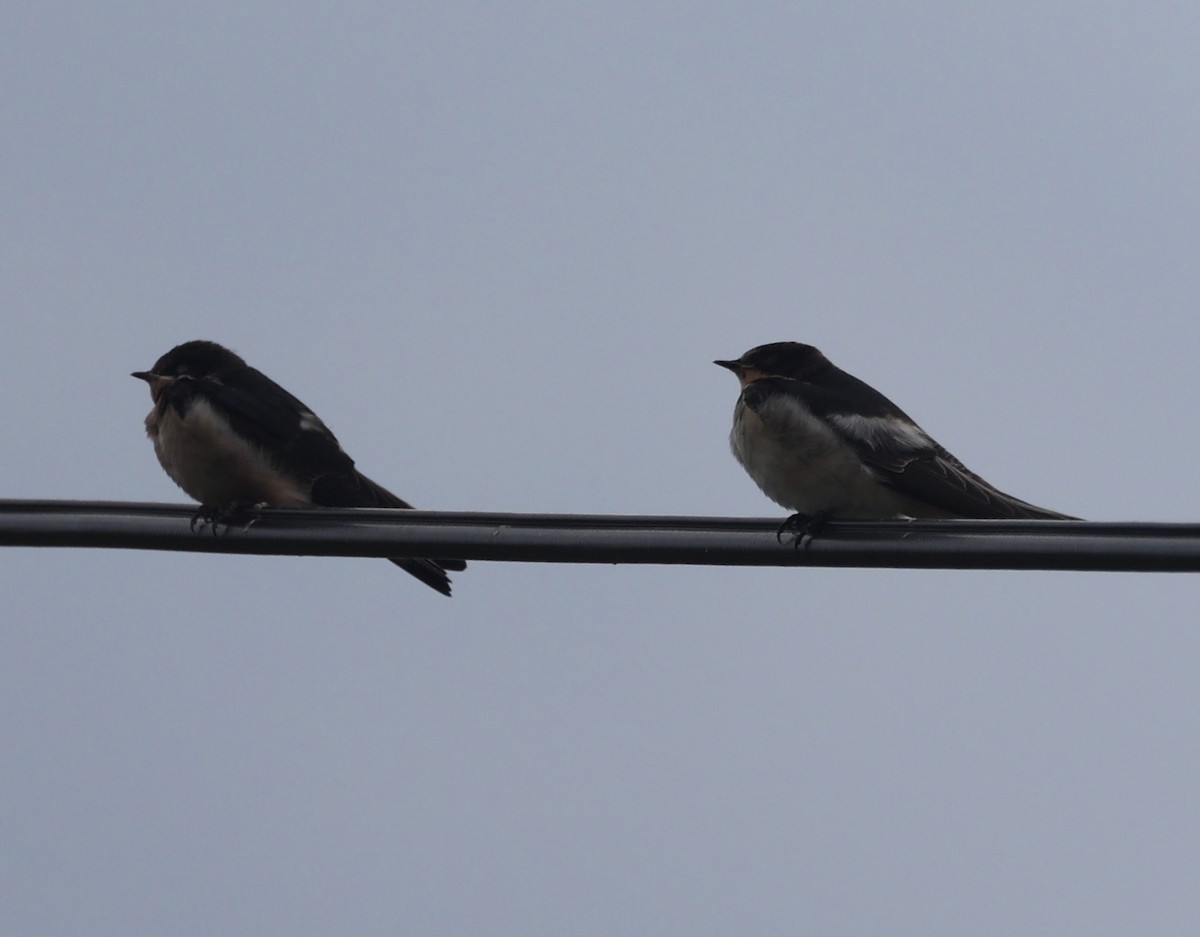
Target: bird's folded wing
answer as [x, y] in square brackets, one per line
[259, 409]
[905, 457]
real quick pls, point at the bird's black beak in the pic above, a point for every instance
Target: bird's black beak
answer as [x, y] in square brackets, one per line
[158, 382]
[734, 366]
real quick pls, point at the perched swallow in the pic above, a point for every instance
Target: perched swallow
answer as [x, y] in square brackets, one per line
[826, 445]
[228, 435]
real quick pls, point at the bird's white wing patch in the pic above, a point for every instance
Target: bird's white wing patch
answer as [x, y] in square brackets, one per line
[882, 432]
[311, 423]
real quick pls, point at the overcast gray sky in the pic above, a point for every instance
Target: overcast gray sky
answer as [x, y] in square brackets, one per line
[496, 247]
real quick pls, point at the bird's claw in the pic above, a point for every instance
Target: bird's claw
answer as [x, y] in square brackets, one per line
[801, 528]
[226, 515]
[206, 516]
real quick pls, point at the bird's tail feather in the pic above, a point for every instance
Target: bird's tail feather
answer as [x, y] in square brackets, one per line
[430, 572]
[357, 491]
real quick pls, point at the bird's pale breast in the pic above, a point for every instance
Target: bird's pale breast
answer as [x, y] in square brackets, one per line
[800, 462]
[213, 464]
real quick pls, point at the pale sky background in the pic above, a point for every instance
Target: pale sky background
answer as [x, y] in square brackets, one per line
[496, 247]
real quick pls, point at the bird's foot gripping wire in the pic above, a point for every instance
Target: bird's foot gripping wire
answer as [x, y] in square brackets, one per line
[216, 517]
[801, 528]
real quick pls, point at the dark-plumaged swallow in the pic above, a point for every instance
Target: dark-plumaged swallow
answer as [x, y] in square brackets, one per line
[824, 444]
[230, 436]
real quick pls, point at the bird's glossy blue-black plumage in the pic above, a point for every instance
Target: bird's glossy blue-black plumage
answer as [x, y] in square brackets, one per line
[268, 420]
[805, 399]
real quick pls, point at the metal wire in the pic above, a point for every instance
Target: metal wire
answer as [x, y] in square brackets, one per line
[572, 538]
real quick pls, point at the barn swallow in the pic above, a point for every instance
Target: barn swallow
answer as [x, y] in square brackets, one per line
[229, 436]
[824, 444]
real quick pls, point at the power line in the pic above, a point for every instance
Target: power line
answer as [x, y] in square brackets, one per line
[571, 538]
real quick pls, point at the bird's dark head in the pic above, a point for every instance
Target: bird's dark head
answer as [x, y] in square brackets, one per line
[190, 360]
[779, 359]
